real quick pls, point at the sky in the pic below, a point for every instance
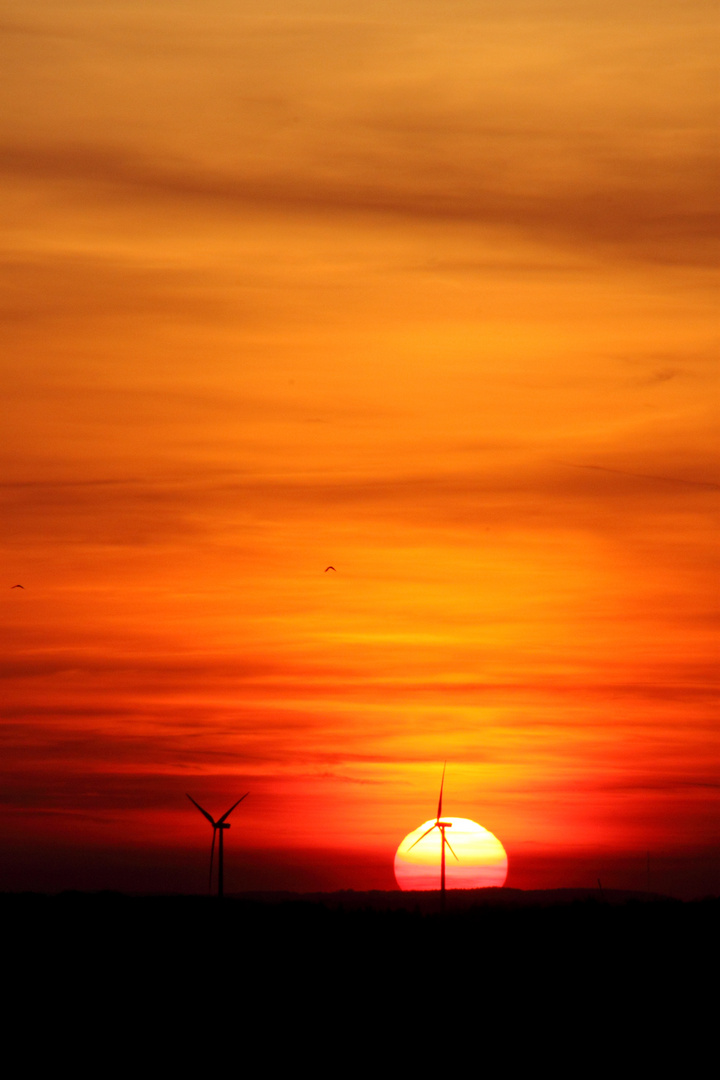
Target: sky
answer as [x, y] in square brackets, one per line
[423, 291]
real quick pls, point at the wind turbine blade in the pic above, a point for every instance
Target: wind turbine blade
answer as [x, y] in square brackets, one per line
[441, 791]
[449, 845]
[204, 812]
[229, 812]
[423, 836]
[212, 852]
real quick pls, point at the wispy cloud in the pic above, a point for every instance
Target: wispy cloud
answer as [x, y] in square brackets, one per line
[666, 219]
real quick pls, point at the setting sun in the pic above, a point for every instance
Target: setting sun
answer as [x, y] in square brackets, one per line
[481, 859]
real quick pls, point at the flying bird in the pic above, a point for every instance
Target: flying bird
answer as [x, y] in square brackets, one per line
[18, 586]
[329, 568]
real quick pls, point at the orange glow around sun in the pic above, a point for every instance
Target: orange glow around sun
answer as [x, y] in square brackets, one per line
[481, 858]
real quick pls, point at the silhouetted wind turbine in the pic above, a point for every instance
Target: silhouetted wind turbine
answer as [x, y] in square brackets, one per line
[442, 826]
[218, 826]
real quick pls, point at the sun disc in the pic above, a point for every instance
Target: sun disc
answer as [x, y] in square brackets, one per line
[481, 859]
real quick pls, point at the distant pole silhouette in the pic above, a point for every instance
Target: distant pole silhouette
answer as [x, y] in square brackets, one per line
[218, 826]
[442, 826]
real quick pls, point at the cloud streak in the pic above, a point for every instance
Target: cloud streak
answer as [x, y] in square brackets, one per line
[669, 220]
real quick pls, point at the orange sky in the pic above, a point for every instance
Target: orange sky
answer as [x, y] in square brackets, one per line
[422, 290]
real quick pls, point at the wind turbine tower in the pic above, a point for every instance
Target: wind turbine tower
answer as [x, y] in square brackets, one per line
[218, 826]
[442, 826]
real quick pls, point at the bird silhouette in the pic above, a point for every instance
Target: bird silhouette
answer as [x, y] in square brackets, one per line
[329, 568]
[18, 586]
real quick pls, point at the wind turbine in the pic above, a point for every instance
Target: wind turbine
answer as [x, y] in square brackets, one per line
[218, 826]
[442, 826]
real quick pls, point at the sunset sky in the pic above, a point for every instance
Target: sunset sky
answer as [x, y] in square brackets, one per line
[422, 290]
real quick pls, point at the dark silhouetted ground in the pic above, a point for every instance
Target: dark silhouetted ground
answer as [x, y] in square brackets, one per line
[345, 982]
